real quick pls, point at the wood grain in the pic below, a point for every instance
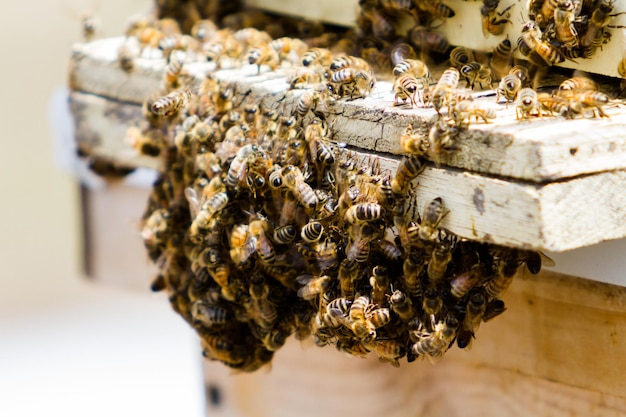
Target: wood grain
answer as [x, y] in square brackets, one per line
[537, 150]
[556, 351]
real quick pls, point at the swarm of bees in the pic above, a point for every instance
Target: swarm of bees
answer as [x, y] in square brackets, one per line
[264, 227]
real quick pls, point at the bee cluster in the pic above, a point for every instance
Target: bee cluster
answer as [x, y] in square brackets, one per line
[263, 226]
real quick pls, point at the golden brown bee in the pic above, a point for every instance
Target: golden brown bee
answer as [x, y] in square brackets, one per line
[441, 255]
[313, 286]
[263, 55]
[257, 238]
[317, 56]
[388, 351]
[555, 104]
[595, 34]
[222, 349]
[441, 140]
[494, 308]
[208, 314]
[436, 9]
[435, 344]
[522, 73]
[476, 73]
[402, 52]
[203, 30]
[408, 169]
[527, 104]
[350, 82]
[447, 82]
[304, 78]
[172, 103]
[576, 85]
[564, 17]
[380, 281]
[202, 213]
[541, 53]
[293, 179]
[284, 235]
[413, 67]
[474, 313]
[240, 248]
[407, 87]
[461, 56]
[348, 61]
[312, 231]
[414, 142]
[401, 304]
[433, 215]
[463, 283]
[363, 212]
[493, 21]
[289, 49]
[463, 111]
[508, 88]
[264, 311]
[412, 269]
[348, 274]
[593, 101]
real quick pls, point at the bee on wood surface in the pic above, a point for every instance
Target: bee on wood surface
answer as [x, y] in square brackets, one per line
[447, 82]
[263, 55]
[407, 87]
[509, 87]
[172, 103]
[527, 104]
[461, 56]
[413, 67]
[476, 73]
[493, 21]
[441, 140]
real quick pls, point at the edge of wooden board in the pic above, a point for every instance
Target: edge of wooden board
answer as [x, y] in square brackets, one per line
[537, 150]
[556, 217]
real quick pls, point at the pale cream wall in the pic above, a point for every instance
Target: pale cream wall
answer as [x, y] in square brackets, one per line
[39, 227]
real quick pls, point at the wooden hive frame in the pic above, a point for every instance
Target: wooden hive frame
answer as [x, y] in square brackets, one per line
[557, 351]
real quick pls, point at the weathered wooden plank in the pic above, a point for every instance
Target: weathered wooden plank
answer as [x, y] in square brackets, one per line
[536, 150]
[556, 351]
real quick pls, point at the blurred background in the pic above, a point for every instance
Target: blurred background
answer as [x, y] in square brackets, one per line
[67, 344]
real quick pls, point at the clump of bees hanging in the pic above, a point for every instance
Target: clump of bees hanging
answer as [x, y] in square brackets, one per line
[264, 227]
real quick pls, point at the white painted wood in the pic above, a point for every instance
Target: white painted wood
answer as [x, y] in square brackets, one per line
[536, 150]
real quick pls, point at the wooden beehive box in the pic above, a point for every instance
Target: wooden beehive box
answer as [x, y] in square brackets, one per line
[553, 184]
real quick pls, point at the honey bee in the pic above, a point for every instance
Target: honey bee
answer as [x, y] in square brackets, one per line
[348, 274]
[408, 169]
[208, 314]
[441, 255]
[89, 25]
[527, 104]
[564, 17]
[304, 78]
[545, 13]
[312, 232]
[388, 351]
[522, 73]
[595, 34]
[402, 52]
[203, 30]
[289, 49]
[265, 311]
[464, 110]
[574, 86]
[492, 21]
[401, 304]
[474, 313]
[413, 142]
[263, 55]
[476, 73]
[284, 235]
[352, 83]
[555, 104]
[380, 285]
[441, 140]
[435, 344]
[313, 286]
[436, 9]
[203, 214]
[590, 100]
[412, 269]
[382, 24]
[258, 229]
[461, 56]
[348, 61]
[413, 67]
[541, 52]
[293, 179]
[222, 349]
[508, 88]
[363, 212]
[494, 308]
[172, 103]
[407, 87]
[448, 81]
[317, 56]
[172, 73]
[433, 215]
[463, 283]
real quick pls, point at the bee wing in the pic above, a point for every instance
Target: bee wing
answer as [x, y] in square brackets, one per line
[546, 260]
[194, 201]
